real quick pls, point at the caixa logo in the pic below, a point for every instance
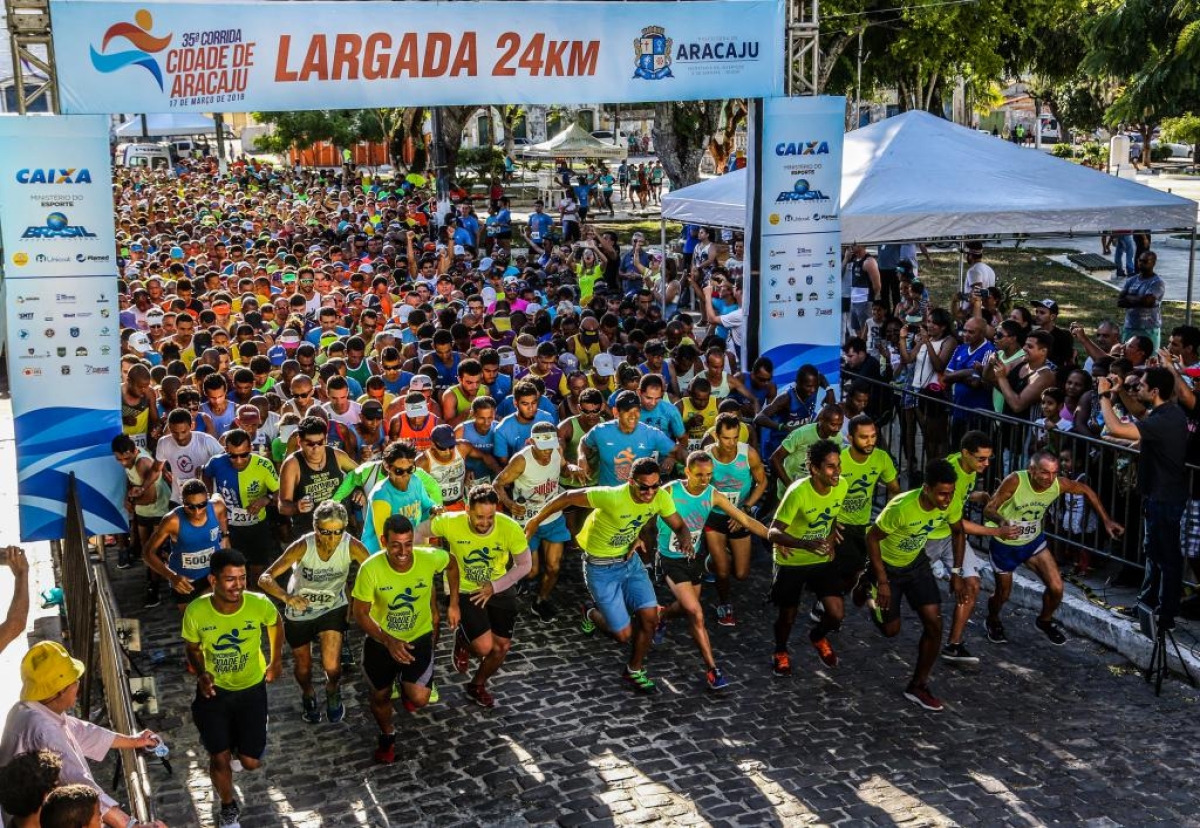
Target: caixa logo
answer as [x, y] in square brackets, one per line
[802, 148]
[801, 192]
[58, 226]
[55, 175]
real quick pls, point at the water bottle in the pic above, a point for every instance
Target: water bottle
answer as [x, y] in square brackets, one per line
[160, 749]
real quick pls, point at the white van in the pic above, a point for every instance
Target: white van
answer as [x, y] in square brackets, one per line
[154, 156]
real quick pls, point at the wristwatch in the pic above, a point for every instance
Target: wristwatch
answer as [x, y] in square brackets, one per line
[956, 570]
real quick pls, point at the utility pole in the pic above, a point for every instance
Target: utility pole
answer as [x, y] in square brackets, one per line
[219, 122]
[442, 185]
[858, 83]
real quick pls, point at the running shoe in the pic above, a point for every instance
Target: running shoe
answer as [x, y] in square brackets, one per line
[124, 559]
[385, 753]
[434, 695]
[152, 598]
[543, 611]
[995, 632]
[920, 694]
[462, 656]
[825, 650]
[479, 694]
[586, 625]
[409, 707]
[639, 681]
[716, 679]
[311, 713]
[872, 604]
[335, 711]
[231, 816]
[781, 664]
[958, 654]
[1053, 631]
[817, 612]
[725, 616]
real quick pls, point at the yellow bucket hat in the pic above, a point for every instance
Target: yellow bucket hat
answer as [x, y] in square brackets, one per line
[48, 669]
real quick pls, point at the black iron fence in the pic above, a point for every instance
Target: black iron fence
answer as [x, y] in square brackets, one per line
[916, 427]
[94, 638]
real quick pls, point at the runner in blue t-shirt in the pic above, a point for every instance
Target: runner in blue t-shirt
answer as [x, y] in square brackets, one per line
[514, 430]
[399, 494]
[613, 447]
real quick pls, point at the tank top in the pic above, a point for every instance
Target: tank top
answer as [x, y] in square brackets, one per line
[537, 484]
[461, 403]
[221, 422]
[720, 390]
[360, 374]
[318, 485]
[709, 414]
[162, 501]
[732, 479]
[693, 509]
[447, 374]
[323, 583]
[856, 283]
[139, 429]
[1026, 508]
[584, 353]
[193, 549]
[338, 435]
[418, 436]
[486, 443]
[1019, 383]
[372, 445]
[997, 398]
[923, 372]
[451, 477]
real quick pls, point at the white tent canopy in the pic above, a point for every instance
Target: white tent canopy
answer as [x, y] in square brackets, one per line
[916, 176]
[574, 142]
[169, 124]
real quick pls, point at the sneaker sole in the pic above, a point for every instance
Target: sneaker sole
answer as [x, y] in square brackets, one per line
[917, 701]
[960, 659]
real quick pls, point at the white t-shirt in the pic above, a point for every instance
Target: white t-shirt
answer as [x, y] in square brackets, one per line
[350, 418]
[734, 322]
[981, 275]
[186, 461]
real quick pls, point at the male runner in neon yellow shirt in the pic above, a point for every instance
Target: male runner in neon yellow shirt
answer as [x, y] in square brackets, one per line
[614, 573]
[804, 533]
[900, 568]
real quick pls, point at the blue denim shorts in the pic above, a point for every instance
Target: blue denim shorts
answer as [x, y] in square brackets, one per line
[1007, 559]
[554, 532]
[620, 590]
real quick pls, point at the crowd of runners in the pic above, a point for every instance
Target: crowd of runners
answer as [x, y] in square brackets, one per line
[343, 411]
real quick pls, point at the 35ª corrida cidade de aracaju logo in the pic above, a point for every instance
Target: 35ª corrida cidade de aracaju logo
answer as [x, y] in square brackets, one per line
[145, 46]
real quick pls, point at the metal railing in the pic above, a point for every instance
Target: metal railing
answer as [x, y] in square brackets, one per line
[912, 423]
[93, 638]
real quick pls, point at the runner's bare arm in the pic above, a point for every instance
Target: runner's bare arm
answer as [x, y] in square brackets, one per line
[1008, 487]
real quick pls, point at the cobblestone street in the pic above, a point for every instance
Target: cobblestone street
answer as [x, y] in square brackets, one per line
[1035, 735]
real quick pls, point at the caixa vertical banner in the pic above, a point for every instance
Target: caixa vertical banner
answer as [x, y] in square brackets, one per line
[794, 206]
[61, 313]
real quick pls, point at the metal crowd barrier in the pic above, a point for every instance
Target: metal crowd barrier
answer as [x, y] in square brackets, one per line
[1110, 468]
[93, 638]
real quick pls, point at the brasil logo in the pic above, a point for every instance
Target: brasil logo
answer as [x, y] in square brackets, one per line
[144, 43]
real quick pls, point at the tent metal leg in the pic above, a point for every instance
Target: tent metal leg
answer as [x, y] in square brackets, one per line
[662, 231]
[1187, 311]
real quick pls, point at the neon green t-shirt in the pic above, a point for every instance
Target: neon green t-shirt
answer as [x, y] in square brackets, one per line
[796, 444]
[400, 600]
[964, 482]
[481, 558]
[908, 527]
[809, 515]
[232, 644]
[613, 525]
[861, 478]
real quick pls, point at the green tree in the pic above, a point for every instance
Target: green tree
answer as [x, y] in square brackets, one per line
[682, 132]
[297, 130]
[1186, 130]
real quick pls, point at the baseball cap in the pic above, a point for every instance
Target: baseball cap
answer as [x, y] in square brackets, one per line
[1050, 305]
[290, 338]
[486, 263]
[626, 400]
[372, 409]
[140, 342]
[508, 357]
[459, 250]
[277, 354]
[420, 382]
[288, 277]
[418, 409]
[568, 362]
[443, 437]
[604, 365]
[249, 414]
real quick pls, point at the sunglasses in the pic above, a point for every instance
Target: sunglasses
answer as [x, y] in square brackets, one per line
[589, 410]
[241, 455]
[302, 395]
[647, 487]
[196, 507]
[391, 367]
[312, 443]
[329, 533]
[399, 471]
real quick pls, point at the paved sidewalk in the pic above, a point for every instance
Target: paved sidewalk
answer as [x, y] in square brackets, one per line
[1035, 735]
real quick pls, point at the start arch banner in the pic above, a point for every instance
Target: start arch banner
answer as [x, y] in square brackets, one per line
[118, 56]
